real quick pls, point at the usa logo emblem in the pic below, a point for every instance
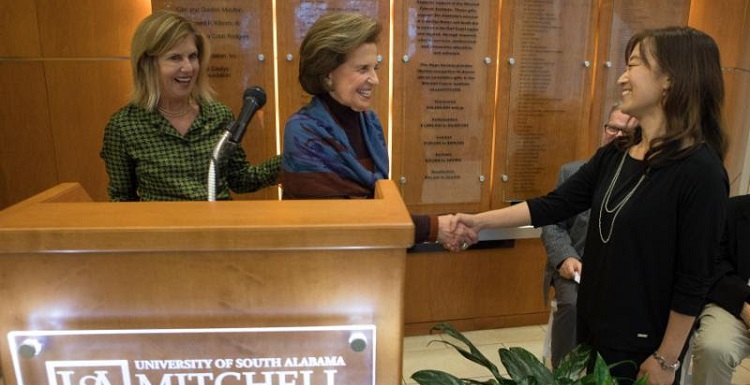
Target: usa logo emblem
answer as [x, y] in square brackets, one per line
[91, 372]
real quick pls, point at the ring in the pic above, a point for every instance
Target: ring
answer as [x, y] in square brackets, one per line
[464, 246]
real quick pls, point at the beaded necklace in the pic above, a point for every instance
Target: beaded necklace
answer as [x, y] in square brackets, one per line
[171, 114]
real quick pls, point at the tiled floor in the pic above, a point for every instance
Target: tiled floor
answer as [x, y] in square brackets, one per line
[420, 354]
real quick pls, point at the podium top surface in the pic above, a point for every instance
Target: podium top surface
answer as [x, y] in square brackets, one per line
[64, 219]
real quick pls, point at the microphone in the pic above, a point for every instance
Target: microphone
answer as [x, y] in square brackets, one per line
[253, 99]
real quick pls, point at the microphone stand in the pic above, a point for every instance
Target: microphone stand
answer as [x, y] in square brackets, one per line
[213, 172]
[253, 99]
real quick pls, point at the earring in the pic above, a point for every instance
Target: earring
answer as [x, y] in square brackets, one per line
[329, 83]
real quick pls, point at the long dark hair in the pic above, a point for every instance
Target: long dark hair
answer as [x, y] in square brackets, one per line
[693, 103]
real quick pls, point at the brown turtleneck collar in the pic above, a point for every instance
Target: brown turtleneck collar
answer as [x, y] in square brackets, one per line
[348, 119]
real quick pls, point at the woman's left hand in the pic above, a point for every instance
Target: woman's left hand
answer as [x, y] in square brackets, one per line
[656, 375]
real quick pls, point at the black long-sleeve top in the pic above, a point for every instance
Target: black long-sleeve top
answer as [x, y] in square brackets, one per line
[731, 290]
[662, 246]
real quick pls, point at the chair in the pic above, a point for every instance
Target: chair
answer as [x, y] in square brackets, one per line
[687, 359]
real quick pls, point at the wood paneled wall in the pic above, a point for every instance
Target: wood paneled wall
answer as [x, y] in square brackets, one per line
[61, 81]
[477, 289]
[728, 22]
[64, 69]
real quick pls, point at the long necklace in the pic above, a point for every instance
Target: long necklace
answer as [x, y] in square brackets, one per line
[619, 206]
[172, 114]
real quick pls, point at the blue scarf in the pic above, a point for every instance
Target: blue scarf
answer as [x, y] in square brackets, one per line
[319, 160]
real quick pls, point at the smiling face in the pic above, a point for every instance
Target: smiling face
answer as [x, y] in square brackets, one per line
[354, 80]
[643, 84]
[178, 70]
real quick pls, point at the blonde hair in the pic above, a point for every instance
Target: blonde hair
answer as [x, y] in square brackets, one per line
[156, 35]
[327, 44]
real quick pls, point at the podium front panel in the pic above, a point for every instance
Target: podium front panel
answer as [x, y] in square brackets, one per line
[299, 355]
[163, 306]
[128, 285]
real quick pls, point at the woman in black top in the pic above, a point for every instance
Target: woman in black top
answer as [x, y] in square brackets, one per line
[657, 202]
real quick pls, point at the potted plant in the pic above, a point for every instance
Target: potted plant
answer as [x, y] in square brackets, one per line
[522, 366]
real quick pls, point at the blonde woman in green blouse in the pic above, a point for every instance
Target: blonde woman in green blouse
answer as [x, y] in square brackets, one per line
[158, 147]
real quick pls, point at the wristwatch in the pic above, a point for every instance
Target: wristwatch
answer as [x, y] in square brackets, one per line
[666, 365]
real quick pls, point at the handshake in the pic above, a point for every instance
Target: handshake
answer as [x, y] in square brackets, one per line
[456, 232]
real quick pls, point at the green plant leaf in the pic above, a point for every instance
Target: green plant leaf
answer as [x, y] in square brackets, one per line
[626, 362]
[522, 366]
[435, 377]
[473, 354]
[438, 377]
[573, 365]
[567, 381]
[599, 375]
[491, 381]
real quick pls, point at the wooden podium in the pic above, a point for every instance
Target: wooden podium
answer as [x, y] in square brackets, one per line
[170, 283]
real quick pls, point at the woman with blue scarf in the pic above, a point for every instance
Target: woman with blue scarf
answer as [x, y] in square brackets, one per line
[334, 146]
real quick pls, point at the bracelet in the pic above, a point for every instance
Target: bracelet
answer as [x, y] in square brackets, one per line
[664, 364]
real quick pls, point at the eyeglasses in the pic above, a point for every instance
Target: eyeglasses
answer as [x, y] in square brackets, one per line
[613, 130]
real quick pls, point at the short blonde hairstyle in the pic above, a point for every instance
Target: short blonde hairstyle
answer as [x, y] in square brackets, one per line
[156, 35]
[327, 44]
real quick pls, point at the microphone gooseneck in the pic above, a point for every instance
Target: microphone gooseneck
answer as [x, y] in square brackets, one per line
[253, 99]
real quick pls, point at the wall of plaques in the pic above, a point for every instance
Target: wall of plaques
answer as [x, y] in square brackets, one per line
[481, 101]
[549, 63]
[449, 127]
[444, 76]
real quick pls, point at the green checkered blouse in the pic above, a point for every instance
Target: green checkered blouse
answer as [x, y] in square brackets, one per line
[148, 160]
